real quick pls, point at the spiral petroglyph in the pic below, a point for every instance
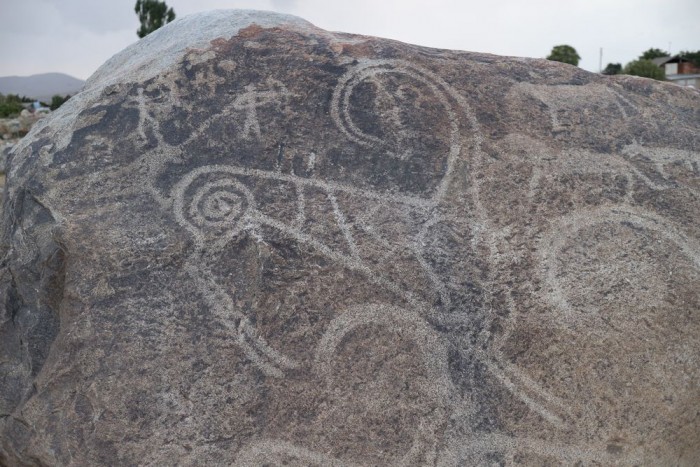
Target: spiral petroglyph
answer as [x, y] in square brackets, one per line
[209, 201]
[213, 206]
[218, 204]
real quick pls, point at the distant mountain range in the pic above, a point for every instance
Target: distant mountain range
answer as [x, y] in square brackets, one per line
[41, 87]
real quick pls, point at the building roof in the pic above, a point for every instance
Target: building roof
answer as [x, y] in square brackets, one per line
[660, 61]
[681, 77]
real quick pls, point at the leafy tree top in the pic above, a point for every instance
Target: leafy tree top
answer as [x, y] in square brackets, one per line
[57, 101]
[564, 54]
[613, 69]
[152, 14]
[693, 57]
[652, 54]
[646, 69]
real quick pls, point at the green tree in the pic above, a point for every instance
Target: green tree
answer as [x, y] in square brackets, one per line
[152, 14]
[645, 68]
[613, 69]
[693, 57]
[652, 53]
[10, 105]
[564, 54]
[57, 101]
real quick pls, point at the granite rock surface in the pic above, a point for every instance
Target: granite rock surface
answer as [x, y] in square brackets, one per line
[249, 241]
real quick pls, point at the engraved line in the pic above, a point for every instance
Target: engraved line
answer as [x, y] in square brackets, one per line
[340, 219]
[222, 306]
[620, 107]
[326, 186]
[417, 247]
[301, 206]
[494, 368]
[563, 227]
[529, 383]
[311, 163]
[429, 343]
[565, 452]
[362, 221]
[347, 261]
[254, 356]
[249, 330]
[142, 114]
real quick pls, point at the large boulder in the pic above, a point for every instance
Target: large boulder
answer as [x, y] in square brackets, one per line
[251, 241]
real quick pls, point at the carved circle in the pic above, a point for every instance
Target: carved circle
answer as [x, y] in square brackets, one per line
[599, 261]
[218, 204]
[340, 109]
[431, 385]
[211, 202]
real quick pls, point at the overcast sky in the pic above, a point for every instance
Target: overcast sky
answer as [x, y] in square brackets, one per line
[77, 36]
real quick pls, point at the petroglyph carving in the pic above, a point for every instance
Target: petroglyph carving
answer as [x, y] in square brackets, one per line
[342, 263]
[432, 384]
[215, 207]
[617, 231]
[613, 225]
[214, 204]
[432, 350]
[568, 107]
[662, 161]
[425, 84]
[633, 158]
[623, 171]
[236, 209]
[476, 451]
[253, 98]
[213, 201]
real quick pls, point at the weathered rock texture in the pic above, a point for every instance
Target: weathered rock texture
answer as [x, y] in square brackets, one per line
[250, 241]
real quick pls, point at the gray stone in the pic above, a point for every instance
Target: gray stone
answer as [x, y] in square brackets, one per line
[251, 241]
